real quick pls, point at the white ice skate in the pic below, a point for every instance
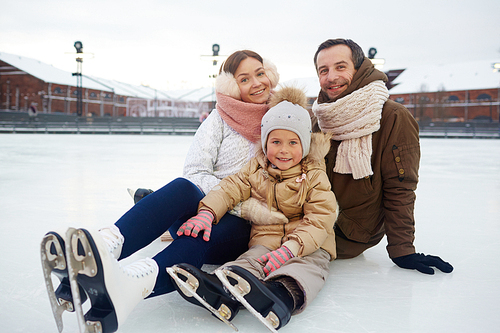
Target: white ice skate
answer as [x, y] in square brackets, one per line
[53, 258]
[113, 290]
[188, 287]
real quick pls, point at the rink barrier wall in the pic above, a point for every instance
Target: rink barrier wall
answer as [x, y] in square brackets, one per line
[22, 122]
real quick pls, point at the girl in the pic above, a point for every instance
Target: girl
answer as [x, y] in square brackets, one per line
[221, 146]
[287, 263]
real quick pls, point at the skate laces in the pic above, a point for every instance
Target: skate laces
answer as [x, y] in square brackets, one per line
[141, 267]
[112, 237]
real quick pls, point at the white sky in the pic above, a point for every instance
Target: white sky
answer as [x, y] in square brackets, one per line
[160, 42]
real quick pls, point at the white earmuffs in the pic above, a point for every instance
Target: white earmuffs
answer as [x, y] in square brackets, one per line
[226, 83]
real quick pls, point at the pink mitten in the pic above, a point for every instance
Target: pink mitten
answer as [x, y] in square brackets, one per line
[201, 222]
[275, 259]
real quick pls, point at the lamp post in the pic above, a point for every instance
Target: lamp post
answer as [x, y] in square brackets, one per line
[378, 63]
[79, 60]
[215, 57]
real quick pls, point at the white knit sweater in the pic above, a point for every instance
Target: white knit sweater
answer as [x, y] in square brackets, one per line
[217, 151]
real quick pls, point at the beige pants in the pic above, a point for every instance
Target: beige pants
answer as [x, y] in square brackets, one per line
[310, 272]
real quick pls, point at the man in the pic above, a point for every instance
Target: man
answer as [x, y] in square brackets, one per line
[374, 159]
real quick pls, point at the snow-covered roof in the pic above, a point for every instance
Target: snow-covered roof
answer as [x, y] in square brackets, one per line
[46, 72]
[203, 94]
[449, 77]
[471, 75]
[49, 73]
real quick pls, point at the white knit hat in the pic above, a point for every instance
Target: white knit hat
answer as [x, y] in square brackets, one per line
[291, 117]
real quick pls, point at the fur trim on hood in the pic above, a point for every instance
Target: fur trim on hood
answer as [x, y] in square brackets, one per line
[291, 94]
[226, 83]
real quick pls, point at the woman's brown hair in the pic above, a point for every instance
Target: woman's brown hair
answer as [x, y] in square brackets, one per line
[233, 61]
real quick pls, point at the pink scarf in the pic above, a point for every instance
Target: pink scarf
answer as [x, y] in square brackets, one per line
[243, 117]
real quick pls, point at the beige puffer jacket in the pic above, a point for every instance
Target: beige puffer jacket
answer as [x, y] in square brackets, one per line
[310, 225]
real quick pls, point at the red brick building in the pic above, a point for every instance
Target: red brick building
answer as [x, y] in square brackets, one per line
[453, 92]
[27, 83]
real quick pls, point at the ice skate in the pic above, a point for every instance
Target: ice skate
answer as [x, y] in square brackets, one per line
[265, 300]
[204, 290]
[138, 194]
[113, 290]
[53, 257]
[113, 239]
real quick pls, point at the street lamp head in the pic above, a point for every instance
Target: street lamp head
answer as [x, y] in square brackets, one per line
[78, 46]
[215, 50]
[372, 52]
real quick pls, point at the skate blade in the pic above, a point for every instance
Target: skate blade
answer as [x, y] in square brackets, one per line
[189, 289]
[131, 192]
[80, 263]
[239, 290]
[50, 262]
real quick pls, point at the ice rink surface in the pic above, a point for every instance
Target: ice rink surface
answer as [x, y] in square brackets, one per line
[52, 182]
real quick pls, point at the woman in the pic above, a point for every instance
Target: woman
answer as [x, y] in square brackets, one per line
[222, 145]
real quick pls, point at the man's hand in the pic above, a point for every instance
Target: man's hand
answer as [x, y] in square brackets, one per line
[201, 222]
[423, 263]
[275, 259]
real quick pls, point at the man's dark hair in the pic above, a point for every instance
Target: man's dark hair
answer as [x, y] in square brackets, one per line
[357, 53]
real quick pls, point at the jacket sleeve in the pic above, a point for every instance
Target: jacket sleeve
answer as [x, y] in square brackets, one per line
[401, 158]
[320, 213]
[229, 192]
[202, 154]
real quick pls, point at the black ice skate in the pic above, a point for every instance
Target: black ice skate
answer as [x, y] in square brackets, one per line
[205, 290]
[53, 257]
[267, 301]
[139, 193]
[113, 290]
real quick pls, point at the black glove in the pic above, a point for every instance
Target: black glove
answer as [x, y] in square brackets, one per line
[422, 263]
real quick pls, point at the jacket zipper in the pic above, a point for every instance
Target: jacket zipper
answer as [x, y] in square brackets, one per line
[278, 180]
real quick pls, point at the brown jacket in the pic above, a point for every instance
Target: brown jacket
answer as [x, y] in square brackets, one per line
[310, 224]
[387, 198]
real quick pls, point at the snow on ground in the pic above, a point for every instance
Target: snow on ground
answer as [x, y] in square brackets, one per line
[56, 181]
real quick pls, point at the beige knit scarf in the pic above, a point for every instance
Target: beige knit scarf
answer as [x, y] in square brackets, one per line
[352, 120]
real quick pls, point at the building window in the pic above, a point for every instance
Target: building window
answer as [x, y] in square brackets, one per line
[76, 92]
[108, 96]
[400, 100]
[58, 90]
[453, 98]
[93, 95]
[484, 97]
[122, 99]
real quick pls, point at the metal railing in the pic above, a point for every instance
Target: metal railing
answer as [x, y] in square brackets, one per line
[68, 124]
[19, 122]
[471, 130]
